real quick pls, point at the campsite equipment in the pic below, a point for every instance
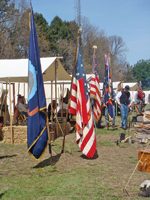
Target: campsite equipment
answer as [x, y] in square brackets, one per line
[122, 136]
[145, 189]
[134, 119]
[144, 164]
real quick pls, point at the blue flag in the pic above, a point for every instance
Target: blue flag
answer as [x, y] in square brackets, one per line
[109, 89]
[36, 130]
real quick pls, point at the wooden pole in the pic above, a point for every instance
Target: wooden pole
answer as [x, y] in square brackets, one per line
[62, 101]
[11, 132]
[2, 102]
[63, 144]
[18, 102]
[14, 98]
[51, 101]
[120, 80]
[56, 66]
[5, 102]
[49, 139]
[24, 91]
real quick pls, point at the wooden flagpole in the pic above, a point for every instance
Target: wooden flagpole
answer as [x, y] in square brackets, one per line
[49, 138]
[62, 151]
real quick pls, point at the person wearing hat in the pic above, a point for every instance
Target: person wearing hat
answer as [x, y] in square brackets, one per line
[21, 106]
[124, 101]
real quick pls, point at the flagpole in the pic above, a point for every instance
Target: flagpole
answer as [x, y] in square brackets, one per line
[62, 151]
[94, 47]
[49, 138]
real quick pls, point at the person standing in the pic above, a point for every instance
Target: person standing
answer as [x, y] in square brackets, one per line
[124, 101]
[139, 99]
[114, 112]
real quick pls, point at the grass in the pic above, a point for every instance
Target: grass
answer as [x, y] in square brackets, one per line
[72, 176]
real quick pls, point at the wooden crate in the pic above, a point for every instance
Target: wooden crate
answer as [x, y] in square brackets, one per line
[144, 164]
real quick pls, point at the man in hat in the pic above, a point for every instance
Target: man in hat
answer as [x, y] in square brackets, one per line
[124, 101]
[21, 106]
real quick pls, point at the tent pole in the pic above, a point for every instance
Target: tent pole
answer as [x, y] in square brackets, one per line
[14, 98]
[5, 103]
[24, 91]
[2, 101]
[51, 101]
[12, 138]
[62, 100]
[18, 102]
[56, 66]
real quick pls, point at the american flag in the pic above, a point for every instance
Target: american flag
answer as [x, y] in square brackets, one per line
[95, 90]
[109, 88]
[80, 106]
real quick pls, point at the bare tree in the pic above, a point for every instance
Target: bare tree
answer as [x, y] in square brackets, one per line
[91, 35]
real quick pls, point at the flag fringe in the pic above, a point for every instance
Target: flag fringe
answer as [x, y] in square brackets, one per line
[40, 156]
[110, 117]
[35, 142]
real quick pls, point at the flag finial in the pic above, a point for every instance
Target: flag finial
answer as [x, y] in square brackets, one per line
[94, 47]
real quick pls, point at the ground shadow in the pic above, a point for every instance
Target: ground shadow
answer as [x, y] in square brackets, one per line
[46, 162]
[2, 157]
[1, 194]
[101, 127]
[94, 157]
[114, 129]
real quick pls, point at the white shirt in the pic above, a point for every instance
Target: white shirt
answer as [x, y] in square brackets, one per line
[65, 106]
[135, 96]
[114, 95]
[21, 107]
[119, 95]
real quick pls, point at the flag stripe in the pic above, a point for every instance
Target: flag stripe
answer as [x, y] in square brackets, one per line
[95, 91]
[80, 106]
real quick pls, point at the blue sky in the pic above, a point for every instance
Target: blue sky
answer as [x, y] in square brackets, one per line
[129, 19]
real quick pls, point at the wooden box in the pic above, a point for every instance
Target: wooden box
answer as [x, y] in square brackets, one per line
[144, 164]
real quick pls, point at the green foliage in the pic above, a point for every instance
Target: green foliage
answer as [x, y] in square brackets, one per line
[60, 30]
[41, 21]
[141, 71]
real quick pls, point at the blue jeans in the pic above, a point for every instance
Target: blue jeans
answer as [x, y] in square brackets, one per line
[124, 114]
[139, 107]
[106, 114]
[98, 125]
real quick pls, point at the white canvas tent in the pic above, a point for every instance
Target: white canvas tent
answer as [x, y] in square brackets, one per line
[17, 70]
